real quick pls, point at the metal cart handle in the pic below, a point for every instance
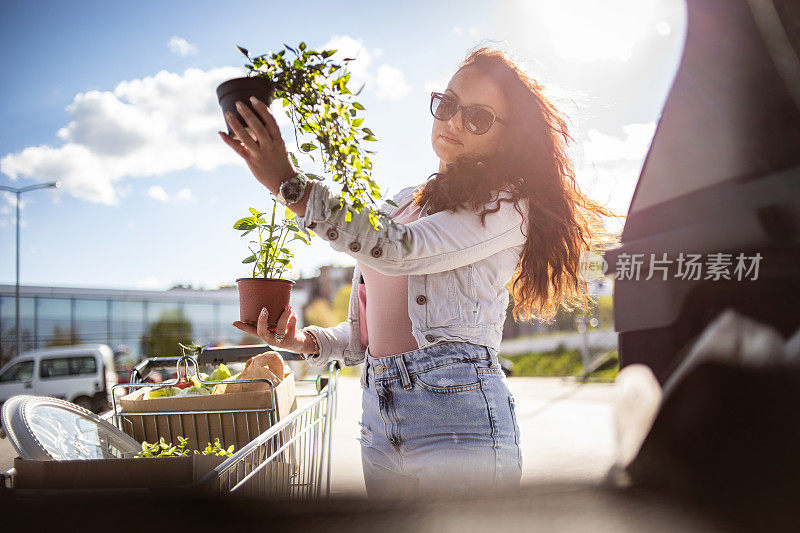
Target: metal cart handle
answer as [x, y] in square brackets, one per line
[240, 354]
[211, 356]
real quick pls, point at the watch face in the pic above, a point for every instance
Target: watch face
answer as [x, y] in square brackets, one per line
[292, 190]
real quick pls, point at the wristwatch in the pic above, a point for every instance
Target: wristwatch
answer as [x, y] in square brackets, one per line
[292, 190]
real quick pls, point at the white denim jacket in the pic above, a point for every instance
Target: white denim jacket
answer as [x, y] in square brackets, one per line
[457, 269]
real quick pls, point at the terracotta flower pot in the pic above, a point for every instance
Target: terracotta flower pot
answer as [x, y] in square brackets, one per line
[240, 90]
[256, 293]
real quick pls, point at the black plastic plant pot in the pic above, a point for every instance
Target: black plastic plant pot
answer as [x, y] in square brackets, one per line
[241, 89]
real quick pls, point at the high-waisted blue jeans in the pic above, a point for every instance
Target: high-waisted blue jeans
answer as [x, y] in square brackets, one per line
[438, 420]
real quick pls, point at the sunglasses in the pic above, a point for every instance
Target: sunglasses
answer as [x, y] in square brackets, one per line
[475, 119]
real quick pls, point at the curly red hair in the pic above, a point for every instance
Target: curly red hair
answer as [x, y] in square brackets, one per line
[533, 164]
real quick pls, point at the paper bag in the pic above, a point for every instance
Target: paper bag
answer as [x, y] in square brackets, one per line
[234, 418]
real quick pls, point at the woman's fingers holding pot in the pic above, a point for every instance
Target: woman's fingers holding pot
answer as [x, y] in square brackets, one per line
[241, 132]
[267, 118]
[262, 135]
[262, 328]
[291, 324]
[285, 326]
[280, 327]
[247, 328]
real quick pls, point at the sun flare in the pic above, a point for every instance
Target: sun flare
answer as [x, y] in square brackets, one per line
[588, 30]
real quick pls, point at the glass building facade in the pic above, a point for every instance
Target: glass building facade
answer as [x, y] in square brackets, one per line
[123, 319]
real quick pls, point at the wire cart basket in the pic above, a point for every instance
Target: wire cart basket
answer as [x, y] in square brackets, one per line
[286, 457]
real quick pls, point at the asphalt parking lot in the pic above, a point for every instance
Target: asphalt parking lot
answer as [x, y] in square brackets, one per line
[566, 432]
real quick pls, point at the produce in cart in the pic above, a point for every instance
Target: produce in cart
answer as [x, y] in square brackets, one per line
[235, 411]
[267, 365]
[163, 449]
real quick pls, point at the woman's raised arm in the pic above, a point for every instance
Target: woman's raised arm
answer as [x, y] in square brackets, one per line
[438, 242]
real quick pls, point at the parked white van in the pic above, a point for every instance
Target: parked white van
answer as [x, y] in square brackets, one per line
[82, 374]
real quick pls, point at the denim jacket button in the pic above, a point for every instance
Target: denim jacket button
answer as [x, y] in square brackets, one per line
[376, 252]
[421, 299]
[355, 246]
[430, 338]
[311, 225]
[332, 234]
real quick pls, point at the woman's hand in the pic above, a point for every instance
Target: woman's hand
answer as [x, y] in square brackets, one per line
[294, 340]
[266, 155]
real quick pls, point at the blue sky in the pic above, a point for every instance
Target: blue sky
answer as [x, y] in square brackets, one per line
[117, 101]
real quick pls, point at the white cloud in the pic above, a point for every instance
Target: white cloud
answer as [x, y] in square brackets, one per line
[10, 209]
[11, 198]
[150, 283]
[182, 47]
[458, 30]
[603, 148]
[609, 166]
[438, 85]
[347, 46]
[610, 184]
[391, 83]
[184, 195]
[153, 126]
[157, 192]
[144, 127]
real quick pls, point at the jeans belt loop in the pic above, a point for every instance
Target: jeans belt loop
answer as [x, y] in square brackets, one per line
[366, 368]
[492, 357]
[403, 371]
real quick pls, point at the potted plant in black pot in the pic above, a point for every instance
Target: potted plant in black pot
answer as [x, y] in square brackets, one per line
[271, 259]
[313, 88]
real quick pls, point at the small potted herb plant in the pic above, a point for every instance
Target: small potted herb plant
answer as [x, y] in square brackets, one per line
[270, 258]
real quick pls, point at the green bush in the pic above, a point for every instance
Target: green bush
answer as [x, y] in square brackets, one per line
[560, 362]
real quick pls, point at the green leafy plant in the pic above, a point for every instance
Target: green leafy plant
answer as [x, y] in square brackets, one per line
[162, 449]
[321, 105]
[269, 254]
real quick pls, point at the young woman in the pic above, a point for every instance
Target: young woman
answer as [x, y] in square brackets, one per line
[502, 213]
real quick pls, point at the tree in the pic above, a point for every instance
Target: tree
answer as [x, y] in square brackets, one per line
[341, 303]
[8, 344]
[325, 314]
[320, 313]
[163, 335]
[189, 286]
[605, 311]
[63, 337]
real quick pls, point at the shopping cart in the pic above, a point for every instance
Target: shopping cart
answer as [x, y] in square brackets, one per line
[288, 457]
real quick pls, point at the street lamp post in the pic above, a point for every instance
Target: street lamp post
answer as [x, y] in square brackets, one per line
[18, 192]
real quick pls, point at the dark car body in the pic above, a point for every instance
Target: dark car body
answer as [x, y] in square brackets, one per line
[721, 180]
